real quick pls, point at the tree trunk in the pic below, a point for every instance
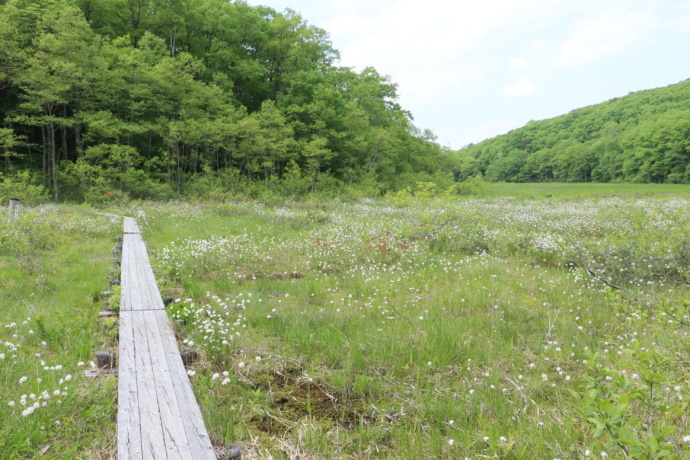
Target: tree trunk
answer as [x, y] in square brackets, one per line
[63, 131]
[45, 156]
[53, 160]
[78, 145]
[172, 41]
[77, 140]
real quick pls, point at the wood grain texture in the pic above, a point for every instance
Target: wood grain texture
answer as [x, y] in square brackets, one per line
[177, 445]
[158, 416]
[199, 440]
[128, 422]
[130, 226]
[152, 440]
[147, 281]
[125, 275]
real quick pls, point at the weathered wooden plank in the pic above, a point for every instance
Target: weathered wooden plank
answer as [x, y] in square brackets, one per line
[130, 225]
[152, 439]
[150, 280]
[134, 287]
[189, 409]
[146, 291]
[128, 421]
[125, 302]
[176, 443]
[125, 276]
[158, 416]
[141, 276]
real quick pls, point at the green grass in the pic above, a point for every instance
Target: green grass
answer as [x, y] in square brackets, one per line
[582, 190]
[54, 262]
[410, 328]
[433, 329]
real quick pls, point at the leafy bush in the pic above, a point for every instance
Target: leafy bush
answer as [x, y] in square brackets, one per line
[111, 173]
[473, 186]
[22, 185]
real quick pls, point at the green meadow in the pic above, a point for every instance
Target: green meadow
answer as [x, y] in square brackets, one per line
[535, 321]
[584, 189]
[54, 263]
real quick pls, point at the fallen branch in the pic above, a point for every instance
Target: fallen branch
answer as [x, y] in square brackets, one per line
[591, 272]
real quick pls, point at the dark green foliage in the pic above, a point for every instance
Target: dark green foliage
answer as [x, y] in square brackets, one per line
[202, 98]
[643, 137]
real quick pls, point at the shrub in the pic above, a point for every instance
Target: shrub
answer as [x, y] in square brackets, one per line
[473, 186]
[22, 185]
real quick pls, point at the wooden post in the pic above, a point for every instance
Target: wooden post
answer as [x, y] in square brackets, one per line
[188, 356]
[14, 210]
[230, 453]
[105, 359]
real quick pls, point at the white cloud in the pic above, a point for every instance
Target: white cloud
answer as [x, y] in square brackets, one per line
[681, 21]
[611, 32]
[405, 33]
[517, 64]
[453, 60]
[523, 87]
[428, 84]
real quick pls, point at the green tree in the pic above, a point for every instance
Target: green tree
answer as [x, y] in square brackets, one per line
[53, 75]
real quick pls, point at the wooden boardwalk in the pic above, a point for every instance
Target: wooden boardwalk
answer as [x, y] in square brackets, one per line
[158, 416]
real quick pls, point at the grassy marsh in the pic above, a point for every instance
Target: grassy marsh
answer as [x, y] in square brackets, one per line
[54, 263]
[356, 328]
[429, 328]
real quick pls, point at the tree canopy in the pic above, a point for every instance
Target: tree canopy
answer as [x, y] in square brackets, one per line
[643, 137]
[158, 98]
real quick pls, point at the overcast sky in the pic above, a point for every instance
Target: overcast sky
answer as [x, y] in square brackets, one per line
[469, 70]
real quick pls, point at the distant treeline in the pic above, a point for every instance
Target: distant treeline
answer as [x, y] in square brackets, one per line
[643, 137]
[157, 98]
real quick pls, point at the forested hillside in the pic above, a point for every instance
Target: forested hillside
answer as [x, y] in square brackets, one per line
[164, 98]
[643, 137]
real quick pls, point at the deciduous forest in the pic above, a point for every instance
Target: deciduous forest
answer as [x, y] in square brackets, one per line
[130, 99]
[643, 137]
[169, 98]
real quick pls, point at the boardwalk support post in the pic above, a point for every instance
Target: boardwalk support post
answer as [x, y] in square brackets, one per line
[188, 356]
[14, 210]
[230, 453]
[105, 359]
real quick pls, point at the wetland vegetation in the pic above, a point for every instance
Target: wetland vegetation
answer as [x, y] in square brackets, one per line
[505, 326]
